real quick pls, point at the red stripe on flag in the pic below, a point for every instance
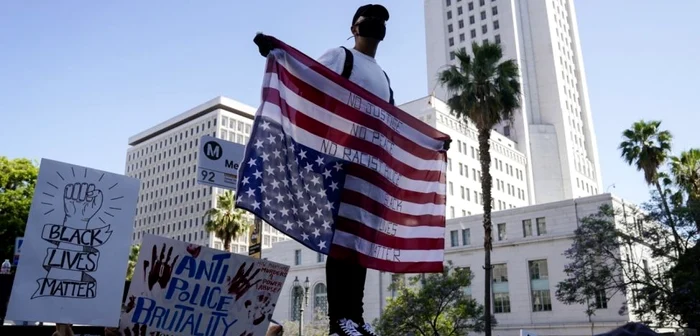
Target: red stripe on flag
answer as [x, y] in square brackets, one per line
[360, 91]
[380, 210]
[342, 109]
[346, 254]
[380, 238]
[380, 181]
[346, 140]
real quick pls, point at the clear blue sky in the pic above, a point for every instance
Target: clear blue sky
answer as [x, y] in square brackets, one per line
[77, 78]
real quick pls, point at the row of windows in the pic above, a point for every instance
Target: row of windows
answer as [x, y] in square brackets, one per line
[470, 5]
[540, 229]
[320, 257]
[169, 140]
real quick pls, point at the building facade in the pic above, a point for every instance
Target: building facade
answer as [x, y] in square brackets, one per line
[164, 158]
[528, 248]
[554, 127]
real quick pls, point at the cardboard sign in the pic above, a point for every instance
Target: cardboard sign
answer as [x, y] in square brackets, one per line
[186, 289]
[75, 247]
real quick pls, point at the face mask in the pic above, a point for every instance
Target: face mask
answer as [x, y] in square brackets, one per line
[372, 28]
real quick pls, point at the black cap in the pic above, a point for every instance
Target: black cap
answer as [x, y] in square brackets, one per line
[374, 10]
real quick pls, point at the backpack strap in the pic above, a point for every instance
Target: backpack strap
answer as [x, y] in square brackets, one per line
[347, 71]
[391, 92]
[347, 66]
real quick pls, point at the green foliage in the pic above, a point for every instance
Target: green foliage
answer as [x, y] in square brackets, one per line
[133, 259]
[485, 90]
[17, 182]
[646, 147]
[432, 304]
[319, 326]
[226, 222]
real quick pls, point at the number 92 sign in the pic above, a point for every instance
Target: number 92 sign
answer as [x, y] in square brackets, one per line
[218, 162]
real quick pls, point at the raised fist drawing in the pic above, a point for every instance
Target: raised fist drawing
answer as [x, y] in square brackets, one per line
[161, 270]
[240, 284]
[81, 201]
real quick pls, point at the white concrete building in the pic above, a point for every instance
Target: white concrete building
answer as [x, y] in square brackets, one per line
[508, 165]
[164, 158]
[554, 129]
[528, 264]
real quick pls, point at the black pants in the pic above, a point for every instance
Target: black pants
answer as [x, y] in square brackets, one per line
[346, 289]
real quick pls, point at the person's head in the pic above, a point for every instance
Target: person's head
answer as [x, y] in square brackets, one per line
[369, 26]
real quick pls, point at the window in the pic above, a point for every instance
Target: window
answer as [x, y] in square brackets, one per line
[471, 6]
[451, 189]
[601, 299]
[527, 227]
[449, 28]
[541, 226]
[471, 19]
[451, 41]
[501, 302]
[484, 29]
[501, 231]
[297, 257]
[449, 15]
[459, 10]
[454, 238]
[321, 298]
[448, 2]
[496, 25]
[494, 10]
[501, 296]
[452, 56]
[506, 130]
[500, 273]
[320, 257]
[482, 2]
[497, 38]
[466, 236]
[483, 15]
[461, 37]
[473, 35]
[452, 212]
[539, 284]
[463, 192]
[461, 24]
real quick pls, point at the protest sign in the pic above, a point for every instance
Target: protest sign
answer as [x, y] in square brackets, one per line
[184, 289]
[75, 247]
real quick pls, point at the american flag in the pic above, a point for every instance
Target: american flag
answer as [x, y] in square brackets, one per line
[342, 171]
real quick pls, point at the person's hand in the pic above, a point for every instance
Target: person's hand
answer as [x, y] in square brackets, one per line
[161, 270]
[240, 284]
[112, 332]
[265, 44]
[64, 329]
[81, 201]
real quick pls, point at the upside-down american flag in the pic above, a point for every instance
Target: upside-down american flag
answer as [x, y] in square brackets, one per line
[343, 172]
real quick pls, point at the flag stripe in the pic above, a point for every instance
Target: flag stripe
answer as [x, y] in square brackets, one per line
[324, 79]
[378, 224]
[360, 186]
[329, 105]
[369, 234]
[379, 181]
[317, 143]
[352, 145]
[380, 210]
[383, 252]
[342, 252]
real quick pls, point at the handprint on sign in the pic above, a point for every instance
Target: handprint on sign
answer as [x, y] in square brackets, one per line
[136, 330]
[240, 284]
[127, 308]
[260, 310]
[81, 201]
[161, 270]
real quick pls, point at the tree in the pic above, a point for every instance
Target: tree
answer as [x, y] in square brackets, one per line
[433, 305]
[647, 147]
[133, 259]
[224, 221]
[685, 169]
[17, 182]
[485, 90]
[319, 326]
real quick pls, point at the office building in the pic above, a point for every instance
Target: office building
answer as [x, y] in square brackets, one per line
[527, 259]
[164, 159]
[554, 127]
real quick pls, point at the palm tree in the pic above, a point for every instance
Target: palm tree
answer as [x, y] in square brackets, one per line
[133, 258]
[647, 147]
[485, 90]
[224, 221]
[685, 169]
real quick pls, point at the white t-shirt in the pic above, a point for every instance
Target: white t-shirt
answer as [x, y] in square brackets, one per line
[365, 72]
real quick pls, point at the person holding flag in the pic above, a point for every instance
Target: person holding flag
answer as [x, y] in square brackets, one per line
[296, 178]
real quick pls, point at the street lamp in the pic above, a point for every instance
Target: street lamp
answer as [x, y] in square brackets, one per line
[302, 296]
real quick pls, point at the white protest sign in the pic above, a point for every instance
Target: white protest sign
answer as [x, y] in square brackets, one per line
[185, 289]
[76, 247]
[524, 332]
[218, 162]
